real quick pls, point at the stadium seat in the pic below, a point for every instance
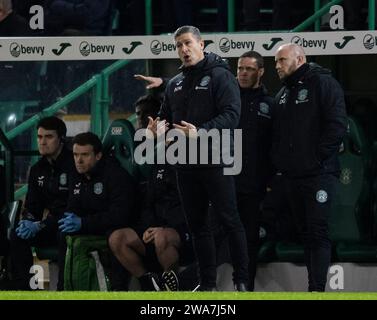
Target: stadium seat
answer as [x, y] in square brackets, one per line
[12, 212]
[86, 259]
[350, 221]
[267, 251]
[119, 142]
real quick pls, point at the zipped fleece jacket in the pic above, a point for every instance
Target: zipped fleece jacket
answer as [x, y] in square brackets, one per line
[106, 200]
[206, 95]
[309, 123]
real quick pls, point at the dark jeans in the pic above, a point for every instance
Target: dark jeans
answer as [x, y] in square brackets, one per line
[21, 254]
[248, 207]
[310, 200]
[197, 188]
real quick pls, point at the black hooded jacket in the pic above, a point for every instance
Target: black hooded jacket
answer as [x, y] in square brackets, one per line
[161, 205]
[206, 95]
[106, 201]
[309, 123]
[48, 186]
[256, 124]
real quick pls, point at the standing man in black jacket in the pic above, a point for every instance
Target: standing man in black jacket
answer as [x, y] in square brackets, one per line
[256, 125]
[309, 126]
[45, 202]
[205, 95]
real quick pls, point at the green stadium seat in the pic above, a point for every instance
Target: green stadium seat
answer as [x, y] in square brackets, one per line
[13, 112]
[351, 220]
[85, 262]
[119, 141]
[267, 252]
[354, 191]
[12, 212]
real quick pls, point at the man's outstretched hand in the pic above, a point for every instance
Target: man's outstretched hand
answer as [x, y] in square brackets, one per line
[152, 82]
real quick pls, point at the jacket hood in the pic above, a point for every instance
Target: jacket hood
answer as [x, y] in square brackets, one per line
[306, 71]
[210, 61]
[317, 69]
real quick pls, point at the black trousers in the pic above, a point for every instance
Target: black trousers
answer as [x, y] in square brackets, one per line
[249, 209]
[198, 187]
[22, 258]
[310, 201]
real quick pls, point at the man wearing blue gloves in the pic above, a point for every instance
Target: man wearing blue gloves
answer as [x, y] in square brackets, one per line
[28, 229]
[101, 194]
[70, 223]
[45, 202]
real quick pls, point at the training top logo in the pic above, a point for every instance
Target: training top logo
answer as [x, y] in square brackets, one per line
[224, 45]
[302, 96]
[263, 107]
[63, 179]
[98, 188]
[321, 196]
[84, 48]
[369, 41]
[283, 98]
[205, 80]
[156, 47]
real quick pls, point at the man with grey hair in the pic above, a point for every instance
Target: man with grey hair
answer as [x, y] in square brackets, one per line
[309, 124]
[205, 95]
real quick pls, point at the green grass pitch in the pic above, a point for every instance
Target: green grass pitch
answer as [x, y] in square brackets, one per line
[86, 295]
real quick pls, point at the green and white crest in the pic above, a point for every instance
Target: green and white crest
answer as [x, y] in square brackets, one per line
[302, 95]
[63, 179]
[98, 188]
[263, 107]
[205, 80]
[321, 196]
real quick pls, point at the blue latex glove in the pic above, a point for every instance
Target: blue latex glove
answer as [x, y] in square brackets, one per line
[28, 229]
[70, 223]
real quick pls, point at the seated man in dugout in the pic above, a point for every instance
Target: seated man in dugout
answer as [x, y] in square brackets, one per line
[45, 203]
[101, 193]
[160, 239]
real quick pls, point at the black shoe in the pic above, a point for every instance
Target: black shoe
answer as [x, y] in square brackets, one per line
[241, 287]
[169, 281]
[200, 287]
[150, 282]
